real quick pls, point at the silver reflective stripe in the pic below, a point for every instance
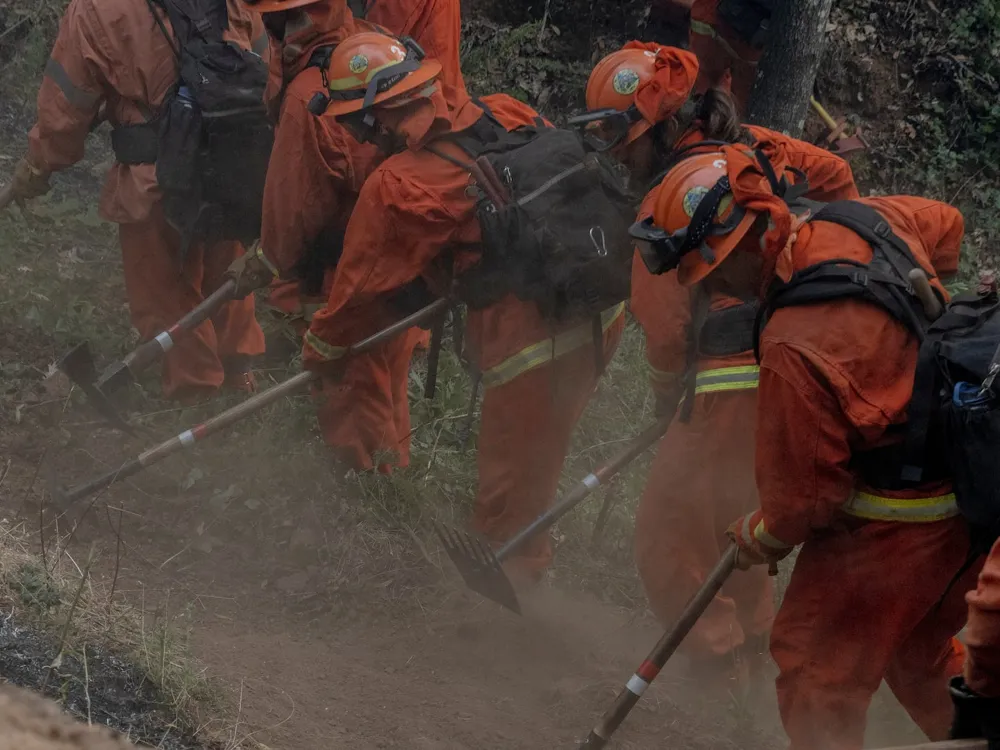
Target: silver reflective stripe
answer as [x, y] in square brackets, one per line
[74, 94]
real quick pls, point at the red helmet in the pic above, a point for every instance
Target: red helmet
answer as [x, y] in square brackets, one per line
[373, 69]
[696, 223]
[273, 6]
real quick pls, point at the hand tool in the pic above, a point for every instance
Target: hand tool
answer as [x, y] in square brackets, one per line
[836, 141]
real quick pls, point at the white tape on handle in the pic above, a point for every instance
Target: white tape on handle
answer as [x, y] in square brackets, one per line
[636, 685]
[187, 438]
[591, 482]
[166, 343]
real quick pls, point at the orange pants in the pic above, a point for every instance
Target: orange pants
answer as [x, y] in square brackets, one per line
[701, 480]
[160, 292]
[724, 61]
[523, 440]
[864, 604]
[365, 416]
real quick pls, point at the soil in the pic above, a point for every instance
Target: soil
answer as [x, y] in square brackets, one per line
[28, 722]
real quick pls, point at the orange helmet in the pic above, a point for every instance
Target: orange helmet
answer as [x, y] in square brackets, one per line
[372, 68]
[633, 89]
[273, 6]
[696, 223]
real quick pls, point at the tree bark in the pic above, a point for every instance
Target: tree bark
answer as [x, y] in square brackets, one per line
[787, 70]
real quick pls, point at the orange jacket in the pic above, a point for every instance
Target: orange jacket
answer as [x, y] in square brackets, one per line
[316, 168]
[663, 307]
[835, 376]
[982, 634]
[112, 52]
[413, 209]
[436, 25]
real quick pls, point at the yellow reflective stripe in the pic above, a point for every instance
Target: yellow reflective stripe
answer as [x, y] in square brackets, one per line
[323, 349]
[704, 29]
[662, 376]
[915, 510]
[727, 379]
[545, 351]
[762, 535]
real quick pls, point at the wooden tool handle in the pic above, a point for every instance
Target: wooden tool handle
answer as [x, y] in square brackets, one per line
[826, 117]
[925, 293]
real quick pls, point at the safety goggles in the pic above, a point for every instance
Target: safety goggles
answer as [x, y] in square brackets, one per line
[603, 129]
[662, 251]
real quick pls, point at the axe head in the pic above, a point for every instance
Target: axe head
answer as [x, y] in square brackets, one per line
[78, 365]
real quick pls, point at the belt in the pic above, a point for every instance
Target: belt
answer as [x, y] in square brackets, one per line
[543, 352]
[743, 378]
[913, 510]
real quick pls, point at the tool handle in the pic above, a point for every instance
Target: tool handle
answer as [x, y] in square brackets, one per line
[824, 115]
[662, 651]
[502, 195]
[925, 293]
[589, 483]
[252, 405]
[434, 357]
[149, 352]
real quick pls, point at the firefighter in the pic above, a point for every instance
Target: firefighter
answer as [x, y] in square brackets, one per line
[871, 596]
[315, 174]
[976, 693]
[684, 511]
[413, 218]
[728, 38]
[112, 55]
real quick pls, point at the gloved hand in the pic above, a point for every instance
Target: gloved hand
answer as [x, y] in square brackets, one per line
[251, 271]
[975, 715]
[745, 533]
[28, 182]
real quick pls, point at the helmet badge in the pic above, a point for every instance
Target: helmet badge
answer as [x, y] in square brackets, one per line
[358, 64]
[625, 82]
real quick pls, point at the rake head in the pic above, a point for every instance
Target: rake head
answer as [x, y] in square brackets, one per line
[478, 566]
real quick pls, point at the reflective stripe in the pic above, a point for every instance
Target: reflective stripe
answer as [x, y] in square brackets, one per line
[727, 379]
[324, 350]
[75, 95]
[764, 537]
[545, 351]
[166, 343]
[703, 29]
[914, 510]
[662, 376]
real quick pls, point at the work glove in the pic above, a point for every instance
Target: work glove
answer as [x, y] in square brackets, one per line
[251, 271]
[746, 533]
[28, 182]
[975, 715]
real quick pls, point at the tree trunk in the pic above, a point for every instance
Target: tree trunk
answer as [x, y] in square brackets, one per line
[787, 70]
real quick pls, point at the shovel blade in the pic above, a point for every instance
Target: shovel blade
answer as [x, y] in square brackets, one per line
[478, 566]
[78, 365]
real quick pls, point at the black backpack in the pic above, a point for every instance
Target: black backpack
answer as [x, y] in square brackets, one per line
[561, 240]
[211, 141]
[953, 419]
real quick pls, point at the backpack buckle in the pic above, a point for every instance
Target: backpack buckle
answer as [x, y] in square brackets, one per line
[860, 278]
[882, 229]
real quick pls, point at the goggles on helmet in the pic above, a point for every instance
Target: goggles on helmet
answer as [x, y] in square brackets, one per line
[662, 251]
[603, 129]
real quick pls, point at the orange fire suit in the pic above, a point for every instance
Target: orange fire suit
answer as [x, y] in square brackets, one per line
[867, 600]
[411, 213]
[436, 25]
[313, 180]
[684, 511]
[112, 52]
[724, 60]
[982, 634]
